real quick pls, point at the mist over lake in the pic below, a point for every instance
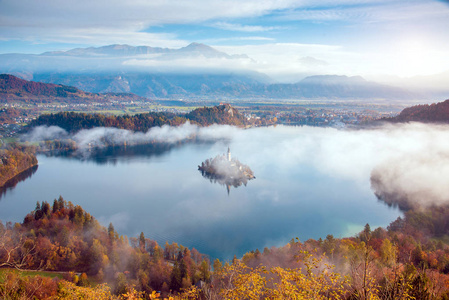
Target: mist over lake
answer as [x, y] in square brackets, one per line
[310, 182]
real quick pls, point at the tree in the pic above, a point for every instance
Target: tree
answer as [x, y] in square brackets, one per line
[96, 257]
[176, 277]
[361, 265]
[111, 232]
[121, 284]
[37, 211]
[46, 209]
[388, 253]
[329, 245]
[365, 235]
[83, 280]
[143, 280]
[217, 265]
[142, 242]
[204, 271]
[65, 236]
[55, 207]
[16, 251]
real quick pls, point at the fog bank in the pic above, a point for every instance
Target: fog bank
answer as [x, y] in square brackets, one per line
[405, 164]
[107, 136]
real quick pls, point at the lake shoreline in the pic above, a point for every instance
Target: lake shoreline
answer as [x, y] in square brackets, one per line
[13, 177]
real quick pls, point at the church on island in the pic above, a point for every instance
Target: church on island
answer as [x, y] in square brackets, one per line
[226, 170]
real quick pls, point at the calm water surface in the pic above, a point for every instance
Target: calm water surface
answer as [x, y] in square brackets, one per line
[302, 189]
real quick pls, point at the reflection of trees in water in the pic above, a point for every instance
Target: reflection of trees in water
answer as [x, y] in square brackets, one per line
[387, 195]
[11, 184]
[226, 171]
[226, 181]
[114, 154]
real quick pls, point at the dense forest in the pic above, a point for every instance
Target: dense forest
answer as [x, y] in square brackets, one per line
[63, 237]
[407, 260]
[72, 122]
[433, 113]
[14, 161]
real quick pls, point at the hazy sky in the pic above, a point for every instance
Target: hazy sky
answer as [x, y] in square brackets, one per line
[365, 37]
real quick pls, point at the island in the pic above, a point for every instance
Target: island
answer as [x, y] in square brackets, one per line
[226, 171]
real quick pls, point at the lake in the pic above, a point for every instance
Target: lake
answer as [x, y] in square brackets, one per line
[310, 182]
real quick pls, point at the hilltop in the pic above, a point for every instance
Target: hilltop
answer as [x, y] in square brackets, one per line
[425, 113]
[13, 88]
[221, 114]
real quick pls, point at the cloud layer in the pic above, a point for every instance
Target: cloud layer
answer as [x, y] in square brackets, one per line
[408, 164]
[371, 37]
[405, 164]
[106, 136]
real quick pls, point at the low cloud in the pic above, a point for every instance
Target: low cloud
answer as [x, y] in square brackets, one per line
[418, 180]
[193, 64]
[42, 133]
[406, 164]
[101, 136]
[119, 221]
[107, 136]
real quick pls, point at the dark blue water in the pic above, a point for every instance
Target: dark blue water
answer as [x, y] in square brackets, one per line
[310, 182]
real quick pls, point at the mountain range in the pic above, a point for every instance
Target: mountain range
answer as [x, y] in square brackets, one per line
[194, 49]
[153, 72]
[13, 88]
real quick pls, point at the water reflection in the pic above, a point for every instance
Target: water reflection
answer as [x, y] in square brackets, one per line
[225, 181]
[114, 154]
[227, 171]
[11, 184]
[157, 189]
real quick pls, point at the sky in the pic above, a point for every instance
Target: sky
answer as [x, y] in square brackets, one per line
[282, 37]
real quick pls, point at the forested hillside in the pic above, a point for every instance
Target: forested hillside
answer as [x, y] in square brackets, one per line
[63, 237]
[15, 161]
[433, 113]
[407, 260]
[72, 122]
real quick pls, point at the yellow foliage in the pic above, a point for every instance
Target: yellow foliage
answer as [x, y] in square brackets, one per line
[316, 281]
[69, 291]
[134, 295]
[191, 293]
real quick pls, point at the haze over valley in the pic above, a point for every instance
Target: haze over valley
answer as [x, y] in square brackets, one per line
[163, 73]
[224, 149]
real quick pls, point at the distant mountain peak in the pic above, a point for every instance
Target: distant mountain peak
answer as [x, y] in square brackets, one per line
[196, 45]
[119, 50]
[202, 49]
[333, 79]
